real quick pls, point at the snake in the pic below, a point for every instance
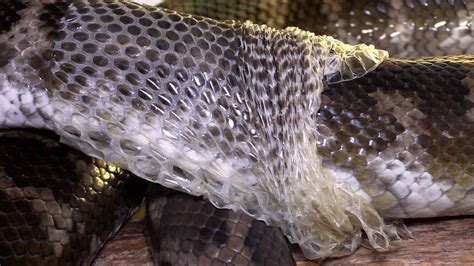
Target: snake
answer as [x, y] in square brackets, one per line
[278, 127]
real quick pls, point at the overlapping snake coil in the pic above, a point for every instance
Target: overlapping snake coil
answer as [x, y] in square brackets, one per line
[276, 123]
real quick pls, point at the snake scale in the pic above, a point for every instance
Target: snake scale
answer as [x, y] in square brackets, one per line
[299, 130]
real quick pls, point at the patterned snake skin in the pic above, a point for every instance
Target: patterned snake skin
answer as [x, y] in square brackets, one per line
[231, 111]
[405, 28]
[188, 230]
[62, 205]
[398, 118]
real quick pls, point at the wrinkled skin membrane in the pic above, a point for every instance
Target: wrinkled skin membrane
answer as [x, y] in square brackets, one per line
[399, 136]
[227, 110]
[224, 110]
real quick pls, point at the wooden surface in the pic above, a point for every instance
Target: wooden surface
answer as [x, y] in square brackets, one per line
[436, 241]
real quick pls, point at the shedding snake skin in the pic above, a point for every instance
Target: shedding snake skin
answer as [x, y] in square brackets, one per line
[236, 112]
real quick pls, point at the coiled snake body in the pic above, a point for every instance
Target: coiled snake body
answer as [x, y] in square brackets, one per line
[302, 131]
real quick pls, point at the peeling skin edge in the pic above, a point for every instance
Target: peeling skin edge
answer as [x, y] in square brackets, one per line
[325, 217]
[330, 225]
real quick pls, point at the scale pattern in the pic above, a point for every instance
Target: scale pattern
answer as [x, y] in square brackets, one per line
[207, 107]
[391, 135]
[226, 110]
[189, 230]
[200, 120]
[402, 136]
[63, 205]
[410, 28]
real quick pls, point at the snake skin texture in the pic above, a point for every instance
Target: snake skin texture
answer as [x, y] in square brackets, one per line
[175, 99]
[402, 136]
[61, 206]
[410, 28]
[189, 230]
[229, 110]
[375, 141]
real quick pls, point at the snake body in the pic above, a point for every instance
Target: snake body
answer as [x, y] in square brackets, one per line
[260, 120]
[405, 101]
[404, 28]
[62, 206]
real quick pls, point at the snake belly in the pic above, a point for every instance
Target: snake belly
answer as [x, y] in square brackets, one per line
[174, 34]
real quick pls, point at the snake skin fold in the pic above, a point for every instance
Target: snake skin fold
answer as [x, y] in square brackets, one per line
[260, 120]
